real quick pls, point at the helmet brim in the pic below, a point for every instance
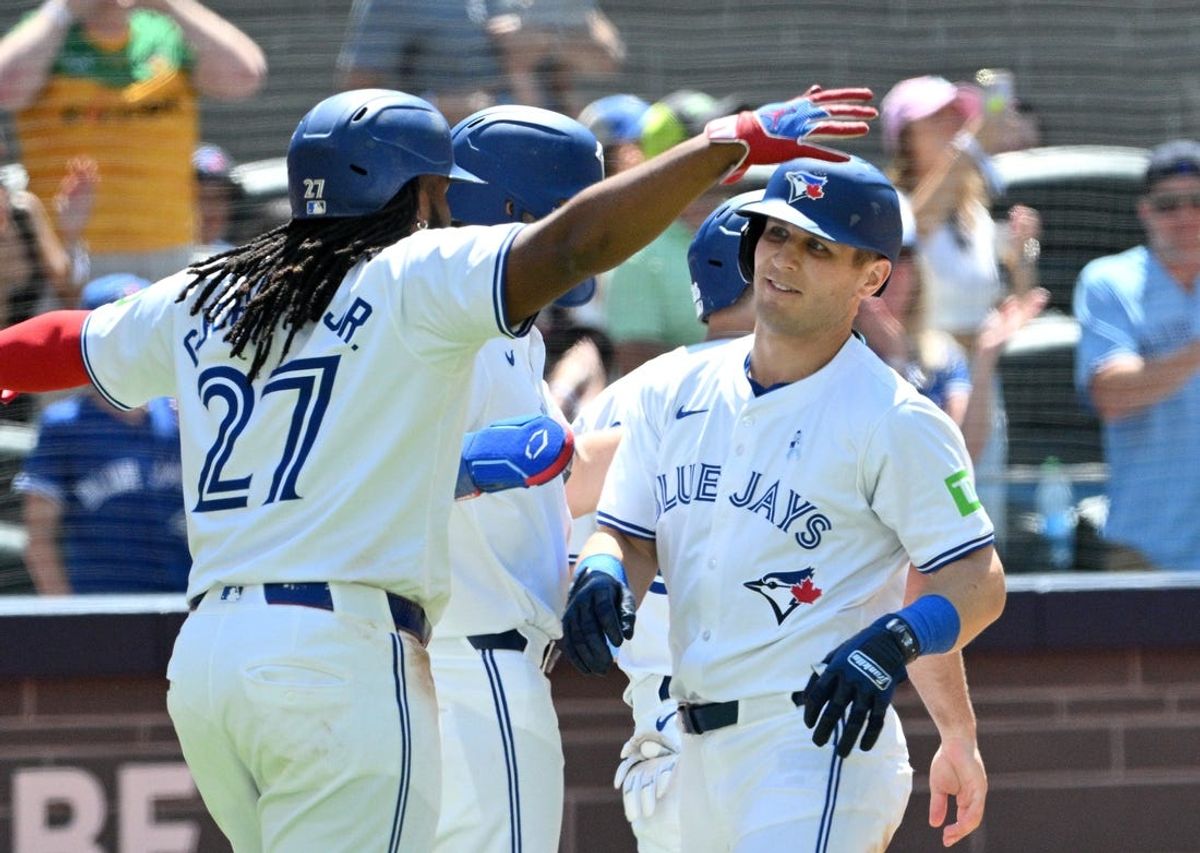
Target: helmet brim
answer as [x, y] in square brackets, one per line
[458, 173]
[580, 294]
[779, 209]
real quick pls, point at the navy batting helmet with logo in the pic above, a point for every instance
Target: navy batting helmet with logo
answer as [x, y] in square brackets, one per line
[852, 203]
[353, 151]
[530, 161]
[713, 257]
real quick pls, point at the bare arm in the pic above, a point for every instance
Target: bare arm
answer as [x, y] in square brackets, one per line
[973, 584]
[42, 556]
[27, 52]
[609, 221]
[594, 452]
[55, 260]
[957, 769]
[230, 66]
[1128, 384]
[639, 556]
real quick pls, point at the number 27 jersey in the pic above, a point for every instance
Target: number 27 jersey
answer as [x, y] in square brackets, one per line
[337, 464]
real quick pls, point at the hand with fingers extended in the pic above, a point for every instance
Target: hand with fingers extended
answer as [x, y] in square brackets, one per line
[778, 132]
[957, 771]
[855, 685]
[600, 610]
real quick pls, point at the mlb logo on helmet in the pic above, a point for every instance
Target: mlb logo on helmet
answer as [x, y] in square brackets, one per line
[805, 185]
[315, 208]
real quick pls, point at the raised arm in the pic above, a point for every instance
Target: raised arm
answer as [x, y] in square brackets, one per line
[230, 66]
[608, 222]
[27, 52]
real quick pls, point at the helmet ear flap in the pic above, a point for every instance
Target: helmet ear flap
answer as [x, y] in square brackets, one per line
[750, 236]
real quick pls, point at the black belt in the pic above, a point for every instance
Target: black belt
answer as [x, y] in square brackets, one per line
[407, 615]
[511, 640]
[698, 719]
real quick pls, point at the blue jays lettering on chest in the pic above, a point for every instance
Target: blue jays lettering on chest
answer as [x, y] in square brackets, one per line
[785, 509]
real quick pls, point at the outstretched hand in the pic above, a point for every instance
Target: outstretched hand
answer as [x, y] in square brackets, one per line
[957, 771]
[778, 132]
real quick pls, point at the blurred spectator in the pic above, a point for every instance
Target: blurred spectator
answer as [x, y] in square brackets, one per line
[648, 302]
[896, 328]
[117, 80]
[103, 489]
[438, 49]
[217, 196]
[1137, 362]
[36, 270]
[544, 44]
[617, 122]
[940, 137]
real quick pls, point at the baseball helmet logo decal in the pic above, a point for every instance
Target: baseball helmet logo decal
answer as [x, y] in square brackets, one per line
[805, 185]
[785, 591]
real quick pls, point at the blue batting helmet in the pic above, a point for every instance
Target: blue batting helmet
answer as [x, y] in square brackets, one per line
[110, 288]
[850, 203]
[615, 118]
[530, 161]
[353, 152]
[713, 257]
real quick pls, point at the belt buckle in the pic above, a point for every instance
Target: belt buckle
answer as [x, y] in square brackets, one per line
[687, 716]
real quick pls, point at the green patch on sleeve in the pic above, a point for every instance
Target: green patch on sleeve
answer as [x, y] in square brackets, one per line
[962, 489]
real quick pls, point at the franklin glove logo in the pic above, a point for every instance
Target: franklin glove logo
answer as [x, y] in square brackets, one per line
[870, 669]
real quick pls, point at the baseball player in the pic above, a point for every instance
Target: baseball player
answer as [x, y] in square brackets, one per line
[648, 758]
[784, 484]
[322, 373]
[502, 761]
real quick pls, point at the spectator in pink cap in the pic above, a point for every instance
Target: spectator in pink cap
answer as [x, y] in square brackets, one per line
[940, 138]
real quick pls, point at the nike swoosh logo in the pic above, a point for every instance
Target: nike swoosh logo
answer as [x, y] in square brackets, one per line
[512, 358]
[661, 722]
[682, 413]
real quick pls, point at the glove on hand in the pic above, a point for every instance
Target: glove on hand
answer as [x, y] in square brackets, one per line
[774, 133]
[860, 675]
[645, 772]
[513, 453]
[600, 610]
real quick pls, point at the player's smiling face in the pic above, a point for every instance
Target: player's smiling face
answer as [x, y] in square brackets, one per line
[804, 283]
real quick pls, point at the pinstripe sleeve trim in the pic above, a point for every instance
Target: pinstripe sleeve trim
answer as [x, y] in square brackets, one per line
[499, 278]
[956, 553]
[87, 365]
[624, 526]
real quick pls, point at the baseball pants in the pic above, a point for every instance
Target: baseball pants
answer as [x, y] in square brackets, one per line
[502, 760]
[761, 786]
[305, 729]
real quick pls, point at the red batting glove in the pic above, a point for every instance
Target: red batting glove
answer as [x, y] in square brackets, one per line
[776, 132]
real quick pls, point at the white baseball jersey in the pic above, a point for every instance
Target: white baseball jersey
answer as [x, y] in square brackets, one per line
[357, 434]
[785, 520]
[508, 549]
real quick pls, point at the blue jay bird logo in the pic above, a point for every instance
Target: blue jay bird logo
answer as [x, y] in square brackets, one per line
[785, 591]
[805, 185]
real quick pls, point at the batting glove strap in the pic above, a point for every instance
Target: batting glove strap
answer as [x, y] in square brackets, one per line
[644, 775]
[855, 683]
[600, 611]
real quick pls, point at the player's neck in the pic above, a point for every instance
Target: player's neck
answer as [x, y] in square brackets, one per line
[776, 358]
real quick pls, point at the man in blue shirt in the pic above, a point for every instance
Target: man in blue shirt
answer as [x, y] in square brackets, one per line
[1138, 363]
[102, 489]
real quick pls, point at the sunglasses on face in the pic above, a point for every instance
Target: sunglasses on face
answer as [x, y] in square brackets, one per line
[1169, 202]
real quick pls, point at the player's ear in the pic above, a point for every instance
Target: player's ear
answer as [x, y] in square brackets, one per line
[877, 272]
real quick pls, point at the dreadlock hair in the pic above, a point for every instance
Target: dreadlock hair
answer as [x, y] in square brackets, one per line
[285, 278]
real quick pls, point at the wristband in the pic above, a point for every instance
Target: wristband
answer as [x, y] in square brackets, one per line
[58, 12]
[605, 564]
[934, 622]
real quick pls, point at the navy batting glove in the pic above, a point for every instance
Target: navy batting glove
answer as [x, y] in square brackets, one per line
[859, 676]
[600, 610]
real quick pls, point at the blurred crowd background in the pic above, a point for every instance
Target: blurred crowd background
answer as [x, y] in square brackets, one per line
[1030, 140]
